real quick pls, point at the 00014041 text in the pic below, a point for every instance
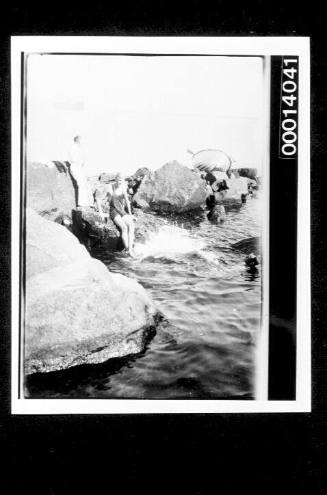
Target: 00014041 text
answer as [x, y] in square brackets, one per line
[289, 108]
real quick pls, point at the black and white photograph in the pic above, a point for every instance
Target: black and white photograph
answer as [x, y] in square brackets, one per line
[160, 225]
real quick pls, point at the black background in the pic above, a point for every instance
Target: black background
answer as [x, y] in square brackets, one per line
[282, 253]
[193, 454]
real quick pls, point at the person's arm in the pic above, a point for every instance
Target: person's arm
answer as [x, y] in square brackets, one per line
[128, 204]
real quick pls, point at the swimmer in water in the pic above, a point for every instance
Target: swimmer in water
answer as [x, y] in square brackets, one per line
[121, 213]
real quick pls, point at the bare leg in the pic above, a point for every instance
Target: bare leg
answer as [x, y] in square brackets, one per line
[123, 228]
[130, 225]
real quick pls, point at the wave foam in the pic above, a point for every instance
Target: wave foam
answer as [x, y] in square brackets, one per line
[171, 241]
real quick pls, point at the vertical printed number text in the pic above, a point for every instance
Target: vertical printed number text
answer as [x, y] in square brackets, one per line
[289, 108]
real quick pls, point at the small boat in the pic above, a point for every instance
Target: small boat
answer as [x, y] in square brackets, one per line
[211, 160]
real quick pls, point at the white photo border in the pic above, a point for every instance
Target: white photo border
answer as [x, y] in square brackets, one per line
[224, 46]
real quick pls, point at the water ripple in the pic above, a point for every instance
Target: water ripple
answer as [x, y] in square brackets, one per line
[212, 303]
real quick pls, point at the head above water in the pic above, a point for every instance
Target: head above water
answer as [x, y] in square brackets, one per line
[77, 139]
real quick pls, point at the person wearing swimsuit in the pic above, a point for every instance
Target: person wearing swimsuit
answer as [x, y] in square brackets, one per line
[121, 214]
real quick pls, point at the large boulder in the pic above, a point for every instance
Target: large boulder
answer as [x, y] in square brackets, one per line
[77, 312]
[51, 191]
[172, 188]
[91, 230]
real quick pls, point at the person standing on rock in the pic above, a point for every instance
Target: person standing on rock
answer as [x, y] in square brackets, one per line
[77, 162]
[121, 213]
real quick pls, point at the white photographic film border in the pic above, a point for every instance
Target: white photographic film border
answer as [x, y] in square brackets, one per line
[254, 46]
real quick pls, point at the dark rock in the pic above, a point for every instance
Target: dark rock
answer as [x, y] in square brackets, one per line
[229, 202]
[50, 189]
[251, 245]
[141, 172]
[172, 188]
[91, 230]
[209, 177]
[77, 312]
[217, 214]
[251, 261]
[140, 203]
[250, 173]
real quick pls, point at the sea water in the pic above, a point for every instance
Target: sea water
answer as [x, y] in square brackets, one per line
[205, 347]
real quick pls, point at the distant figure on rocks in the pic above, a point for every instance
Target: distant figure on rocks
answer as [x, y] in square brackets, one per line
[133, 185]
[77, 162]
[121, 213]
[220, 189]
[210, 197]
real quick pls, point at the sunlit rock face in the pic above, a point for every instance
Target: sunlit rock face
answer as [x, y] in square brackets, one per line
[172, 188]
[50, 189]
[76, 311]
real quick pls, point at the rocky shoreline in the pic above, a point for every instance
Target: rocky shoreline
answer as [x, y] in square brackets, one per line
[76, 310]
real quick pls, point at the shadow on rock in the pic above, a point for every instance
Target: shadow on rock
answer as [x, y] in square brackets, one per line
[67, 383]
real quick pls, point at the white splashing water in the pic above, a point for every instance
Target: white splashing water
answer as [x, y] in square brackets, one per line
[170, 242]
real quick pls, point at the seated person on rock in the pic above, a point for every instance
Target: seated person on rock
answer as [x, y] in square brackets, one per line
[121, 213]
[102, 197]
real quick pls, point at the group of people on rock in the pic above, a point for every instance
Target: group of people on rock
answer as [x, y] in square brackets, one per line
[226, 184]
[112, 200]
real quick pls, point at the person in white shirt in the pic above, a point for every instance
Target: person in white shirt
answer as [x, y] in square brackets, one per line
[77, 162]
